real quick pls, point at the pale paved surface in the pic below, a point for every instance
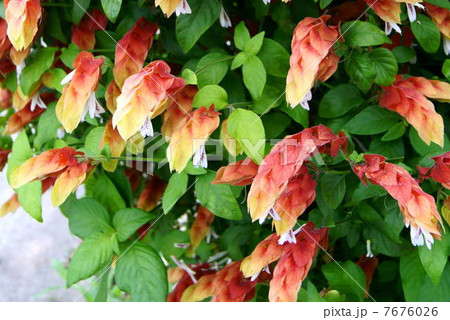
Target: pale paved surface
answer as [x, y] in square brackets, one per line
[27, 249]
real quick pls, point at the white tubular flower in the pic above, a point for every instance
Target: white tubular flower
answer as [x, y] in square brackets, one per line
[183, 8]
[388, 26]
[68, 77]
[200, 159]
[266, 1]
[369, 253]
[183, 266]
[225, 21]
[271, 212]
[36, 100]
[419, 237]
[446, 45]
[304, 102]
[92, 107]
[412, 15]
[147, 128]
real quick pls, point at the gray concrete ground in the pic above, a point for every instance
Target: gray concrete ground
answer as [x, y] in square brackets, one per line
[28, 250]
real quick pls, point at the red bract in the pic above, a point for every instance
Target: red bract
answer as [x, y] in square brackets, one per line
[312, 58]
[295, 263]
[368, 265]
[5, 99]
[4, 157]
[284, 163]
[184, 279]
[239, 173]
[63, 164]
[226, 285]
[152, 193]
[83, 34]
[200, 228]
[132, 50]
[407, 97]
[441, 169]
[418, 208]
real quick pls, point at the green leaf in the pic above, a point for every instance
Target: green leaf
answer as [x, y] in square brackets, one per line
[141, 273]
[403, 54]
[54, 25]
[105, 192]
[275, 58]
[254, 76]
[57, 75]
[299, 115]
[333, 189]
[218, 198]
[79, 9]
[211, 94]
[348, 278]
[94, 253]
[32, 73]
[426, 33]
[47, 126]
[212, 68]
[87, 217]
[385, 66]
[247, 128]
[239, 60]
[253, 45]
[372, 120]
[395, 132]
[324, 3]
[434, 260]
[241, 35]
[111, 9]
[189, 76]
[176, 187]
[21, 152]
[422, 148]
[190, 27]
[440, 3]
[417, 286]
[69, 54]
[361, 70]
[30, 199]
[340, 100]
[446, 69]
[127, 221]
[93, 140]
[363, 34]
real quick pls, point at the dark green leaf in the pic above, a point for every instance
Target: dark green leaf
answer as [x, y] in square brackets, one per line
[403, 54]
[40, 63]
[348, 278]
[111, 8]
[212, 68]
[79, 9]
[275, 58]
[362, 34]
[190, 27]
[333, 189]
[385, 66]
[361, 70]
[372, 120]
[340, 100]
[426, 33]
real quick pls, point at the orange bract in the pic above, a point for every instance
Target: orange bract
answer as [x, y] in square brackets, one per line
[200, 228]
[83, 34]
[152, 193]
[407, 97]
[22, 17]
[312, 58]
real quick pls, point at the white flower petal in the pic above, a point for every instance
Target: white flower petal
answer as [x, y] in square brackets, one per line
[68, 78]
[183, 8]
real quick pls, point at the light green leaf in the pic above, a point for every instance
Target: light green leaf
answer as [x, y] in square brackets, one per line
[241, 35]
[239, 60]
[111, 8]
[190, 27]
[30, 199]
[253, 45]
[363, 34]
[254, 76]
[446, 69]
[175, 189]
[211, 94]
[32, 73]
[434, 260]
[247, 128]
[218, 198]
[127, 221]
[47, 126]
[340, 100]
[141, 273]
[94, 253]
[86, 217]
[105, 192]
